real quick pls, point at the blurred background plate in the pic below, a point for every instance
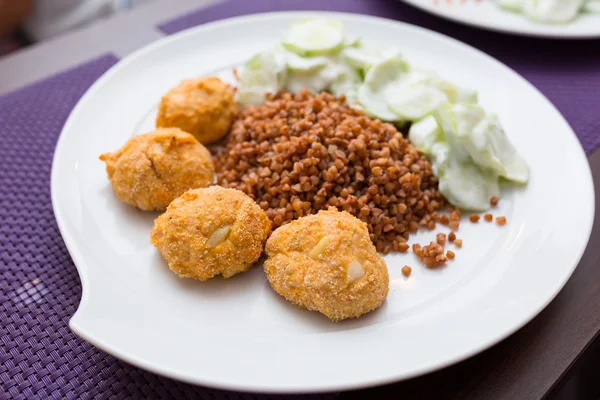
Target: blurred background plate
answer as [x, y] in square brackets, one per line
[487, 15]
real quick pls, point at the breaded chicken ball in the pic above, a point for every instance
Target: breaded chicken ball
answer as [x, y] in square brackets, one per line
[152, 169]
[327, 263]
[211, 231]
[204, 107]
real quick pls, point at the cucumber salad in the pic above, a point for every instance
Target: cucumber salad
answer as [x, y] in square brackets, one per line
[467, 147]
[551, 11]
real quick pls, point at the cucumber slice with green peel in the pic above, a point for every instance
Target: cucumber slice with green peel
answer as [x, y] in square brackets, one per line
[467, 186]
[591, 6]
[458, 94]
[424, 134]
[422, 75]
[455, 93]
[314, 36]
[467, 116]
[359, 57]
[457, 120]
[304, 64]
[446, 120]
[352, 41]
[469, 131]
[270, 62]
[374, 104]
[263, 73]
[365, 56]
[318, 80]
[346, 81]
[552, 11]
[252, 96]
[512, 5]
[439, 156]
[314, 82]
[385, 72]
[490, 148]
[413, 102]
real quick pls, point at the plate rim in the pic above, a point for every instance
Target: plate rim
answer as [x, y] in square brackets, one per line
[82, 266]
[544, 33]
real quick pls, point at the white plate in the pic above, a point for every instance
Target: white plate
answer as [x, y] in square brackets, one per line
[487, 15]
[238, 334]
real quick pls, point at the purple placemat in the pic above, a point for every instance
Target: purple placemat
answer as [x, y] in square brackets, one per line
[567, 72]
[40, 357]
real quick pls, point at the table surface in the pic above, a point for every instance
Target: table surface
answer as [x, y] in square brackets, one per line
[529, 364]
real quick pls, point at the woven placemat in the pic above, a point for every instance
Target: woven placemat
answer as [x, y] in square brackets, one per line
[567, 72]
[39, 285]
[40, 358]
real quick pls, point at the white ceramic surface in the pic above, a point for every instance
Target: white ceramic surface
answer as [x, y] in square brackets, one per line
[239, 334]
[487, 15]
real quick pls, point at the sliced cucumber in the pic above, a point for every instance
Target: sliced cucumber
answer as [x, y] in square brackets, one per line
[360, 58]
[314, 82]
[364, 56]
[467, 116]
[512, 5]
[591, 6]
[446, 120]
[346, 81]
[352, 41]
[422, 75]
[439, 156]
[458, 94]
[490, 148]
[385, 72]
[374, 104]
[467, 186]
[317, 80]
[424, 134]
[304, 64]
[413, 102]
[314, 36]
[552, 11]
[264, 73]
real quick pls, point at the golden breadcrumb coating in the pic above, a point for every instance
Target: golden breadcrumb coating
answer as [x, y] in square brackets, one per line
[152, 169]
[204, 107]
[211, 231]
[326, 262]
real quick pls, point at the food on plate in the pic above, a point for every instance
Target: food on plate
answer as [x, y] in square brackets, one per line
[203, 107]
[551, 11]
[432, 255]
[315, 54]
[301, 153]
[440, 238]
[327, 263]
[451, 237]
[211, 231]
[406, 271]
[469, 152]
[152, 169]
[467, 147]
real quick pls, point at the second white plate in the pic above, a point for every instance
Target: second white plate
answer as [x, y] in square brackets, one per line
[237, 333]
[487, 15]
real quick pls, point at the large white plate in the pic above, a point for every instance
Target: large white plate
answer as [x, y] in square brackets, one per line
[487, 15]
[239, 334]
